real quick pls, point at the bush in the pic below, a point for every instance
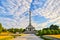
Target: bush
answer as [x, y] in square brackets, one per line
[49, 32]
[56, 32]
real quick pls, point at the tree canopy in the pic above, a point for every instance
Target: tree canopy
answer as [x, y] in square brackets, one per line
[54, 27]
[1, 27]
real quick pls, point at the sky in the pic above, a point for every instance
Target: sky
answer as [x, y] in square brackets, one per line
[15, 13]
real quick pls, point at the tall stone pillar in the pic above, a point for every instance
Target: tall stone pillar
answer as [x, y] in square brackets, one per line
[30, 29]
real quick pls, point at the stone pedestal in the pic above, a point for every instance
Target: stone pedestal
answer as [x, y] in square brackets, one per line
[30, 30]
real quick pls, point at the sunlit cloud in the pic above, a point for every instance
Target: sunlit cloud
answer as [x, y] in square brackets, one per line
[14, 13]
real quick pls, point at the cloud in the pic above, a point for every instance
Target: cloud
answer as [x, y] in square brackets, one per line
[16, 9]
[50, 10]
[7, 22]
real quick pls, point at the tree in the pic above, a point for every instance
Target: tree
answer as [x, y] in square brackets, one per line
[56, 32]
[49, 31]
[59, 31]
[53, 31]
[1, 28]
[11, 30]
[4, 30]
[54, 27]
[45, 28]
[16, 30]
[39, 33]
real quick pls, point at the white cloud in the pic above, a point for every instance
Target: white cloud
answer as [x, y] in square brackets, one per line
[39, 26]
[15, 8]
[50, 10]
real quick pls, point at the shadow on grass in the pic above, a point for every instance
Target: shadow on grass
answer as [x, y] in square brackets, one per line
[16, 36]
[45, 38]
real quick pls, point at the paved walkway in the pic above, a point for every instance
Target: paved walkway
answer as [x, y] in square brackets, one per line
[28, 37]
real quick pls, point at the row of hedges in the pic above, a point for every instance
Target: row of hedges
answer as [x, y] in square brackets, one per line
[48, 32]
[53, 29]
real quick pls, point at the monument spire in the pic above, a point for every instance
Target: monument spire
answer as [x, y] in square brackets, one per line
[30, 29]
[29, 17]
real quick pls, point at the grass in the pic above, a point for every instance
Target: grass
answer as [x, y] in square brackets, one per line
[51, 36]
[5, 36]
[45, 38]
[23, 34]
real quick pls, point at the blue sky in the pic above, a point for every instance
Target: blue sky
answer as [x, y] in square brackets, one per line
[15, 13]
[39, 19]
[39, 4]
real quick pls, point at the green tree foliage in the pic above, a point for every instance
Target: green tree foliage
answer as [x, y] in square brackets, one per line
[56, 32]
[14, 30]
[46, 28]
[21, 30]
[4, 30]
[54, 27]
[11, 30]
[59, 31]
[1, 28]
[39, 33]
[49, 32]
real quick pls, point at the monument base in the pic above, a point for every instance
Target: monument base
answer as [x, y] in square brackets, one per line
[30, 32]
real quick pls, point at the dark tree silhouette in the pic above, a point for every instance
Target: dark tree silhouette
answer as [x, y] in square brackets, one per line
[54, 27]
[1, 28]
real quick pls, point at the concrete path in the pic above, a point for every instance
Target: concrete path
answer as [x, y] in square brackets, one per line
[28, 37]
